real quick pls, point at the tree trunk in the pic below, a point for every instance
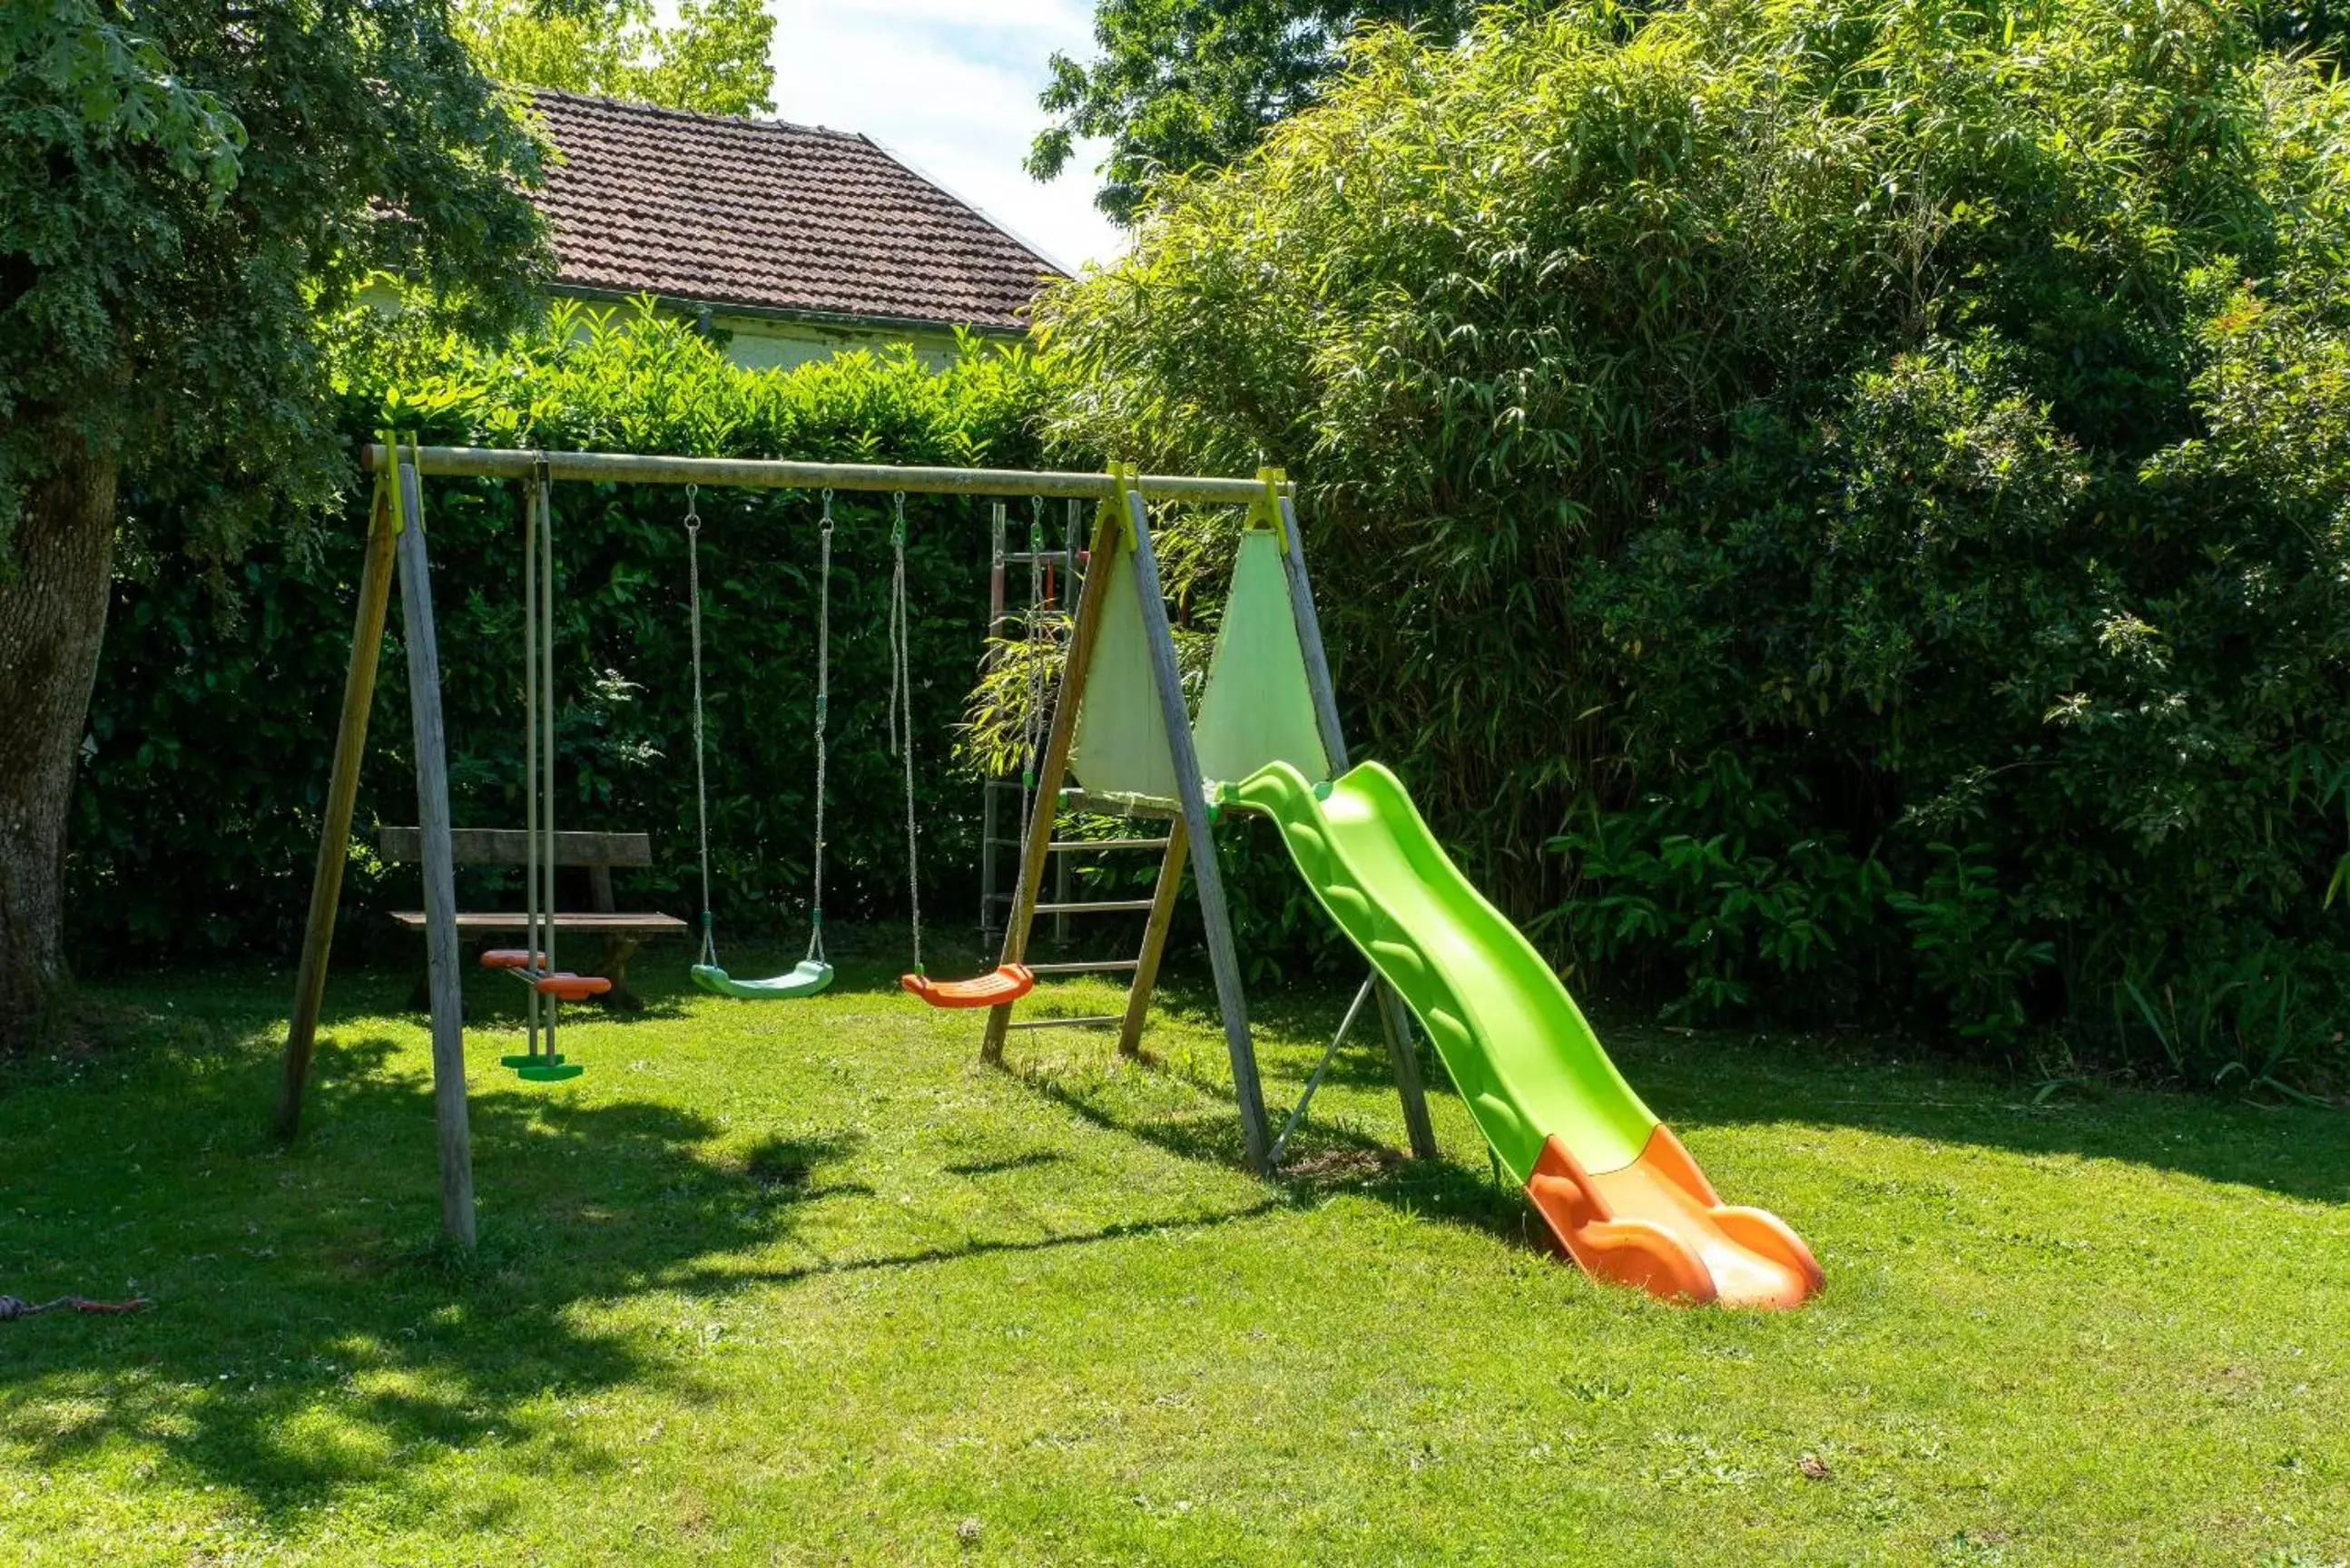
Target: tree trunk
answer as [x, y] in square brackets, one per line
[53, 594]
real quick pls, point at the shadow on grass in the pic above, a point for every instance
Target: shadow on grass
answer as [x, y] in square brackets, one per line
[891, 1262]
[309, 1331]
[1323, 1156]
[1723, 1077]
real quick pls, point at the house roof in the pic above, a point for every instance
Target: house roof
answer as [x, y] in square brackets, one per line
[770, 216]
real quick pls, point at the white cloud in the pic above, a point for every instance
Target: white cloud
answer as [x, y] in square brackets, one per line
[951, 86]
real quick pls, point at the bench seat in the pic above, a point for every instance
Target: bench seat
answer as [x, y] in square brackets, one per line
[623, 930]
[649, 925]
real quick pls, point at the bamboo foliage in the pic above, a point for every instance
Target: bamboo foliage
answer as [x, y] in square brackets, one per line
[1803, 491]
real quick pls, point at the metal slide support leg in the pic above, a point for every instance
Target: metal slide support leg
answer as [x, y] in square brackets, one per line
[1224, 958]
[439, 872]
[1313, 1082]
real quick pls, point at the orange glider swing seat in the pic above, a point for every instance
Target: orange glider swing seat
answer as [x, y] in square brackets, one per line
[1005, 983]
[563, 985]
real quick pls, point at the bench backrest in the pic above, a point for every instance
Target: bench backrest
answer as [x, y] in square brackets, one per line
[511, 846]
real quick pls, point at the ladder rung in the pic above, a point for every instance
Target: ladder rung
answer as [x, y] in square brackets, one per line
[1094, 906]
[1099, 1020]
[1084, 966]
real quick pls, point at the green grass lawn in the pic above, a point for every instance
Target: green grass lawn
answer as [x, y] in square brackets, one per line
[799, 1282]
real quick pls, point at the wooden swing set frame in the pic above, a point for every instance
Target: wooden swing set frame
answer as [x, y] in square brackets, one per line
[1123, 525]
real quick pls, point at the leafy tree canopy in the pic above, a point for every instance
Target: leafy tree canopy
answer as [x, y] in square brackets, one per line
[714, 60]
[182, 191]
[1185, 84]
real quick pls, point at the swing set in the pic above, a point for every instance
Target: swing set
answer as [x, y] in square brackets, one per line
[1617, 1191]
[1136, 743]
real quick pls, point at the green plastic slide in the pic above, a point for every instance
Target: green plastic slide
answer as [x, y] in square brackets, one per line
[1618, 1192]
[1518, 1048]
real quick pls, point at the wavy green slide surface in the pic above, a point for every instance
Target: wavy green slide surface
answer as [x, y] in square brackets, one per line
[1526, 1061]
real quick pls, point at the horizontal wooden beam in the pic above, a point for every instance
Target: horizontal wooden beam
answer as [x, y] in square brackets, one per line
[511, 846]
[775, 473]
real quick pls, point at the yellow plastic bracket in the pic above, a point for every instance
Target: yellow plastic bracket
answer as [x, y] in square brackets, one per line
[1265, 512]
[389, 477]
[1122, 477]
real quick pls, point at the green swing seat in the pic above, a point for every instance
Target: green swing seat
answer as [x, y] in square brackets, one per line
[807, 977]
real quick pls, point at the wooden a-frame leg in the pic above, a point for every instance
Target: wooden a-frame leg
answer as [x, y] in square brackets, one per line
[335, 830]
[1053, 769]
[451, 1117]
[1154, 940]
[1207, 877]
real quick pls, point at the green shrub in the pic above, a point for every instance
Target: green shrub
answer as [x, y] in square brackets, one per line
[210, 736]
[1847, 506]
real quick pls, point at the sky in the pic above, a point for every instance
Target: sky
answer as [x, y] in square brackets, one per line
[950, 87]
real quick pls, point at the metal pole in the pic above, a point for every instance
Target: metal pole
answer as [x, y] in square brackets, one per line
[1370, 984]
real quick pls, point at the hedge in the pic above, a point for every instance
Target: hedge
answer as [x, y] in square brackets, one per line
[210, 736]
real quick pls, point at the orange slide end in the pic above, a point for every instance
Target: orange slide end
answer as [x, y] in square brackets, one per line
[1659, 1224]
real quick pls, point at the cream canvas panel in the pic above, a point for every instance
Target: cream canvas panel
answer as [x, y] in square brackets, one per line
[1258, 708]
[1120, 747]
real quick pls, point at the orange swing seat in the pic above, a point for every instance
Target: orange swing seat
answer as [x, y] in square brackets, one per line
[1005, 983]
[561, 985]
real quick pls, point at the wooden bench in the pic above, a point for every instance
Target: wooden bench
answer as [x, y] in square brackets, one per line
[622, 932]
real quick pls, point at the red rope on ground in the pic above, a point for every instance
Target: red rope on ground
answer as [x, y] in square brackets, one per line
[14, 1308]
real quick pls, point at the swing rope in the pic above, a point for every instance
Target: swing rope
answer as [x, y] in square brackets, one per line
[813, 973]
[901, 712]
[534, 963]
[1007, 981]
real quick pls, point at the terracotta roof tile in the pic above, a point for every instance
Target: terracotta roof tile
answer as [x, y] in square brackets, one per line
[774, 216]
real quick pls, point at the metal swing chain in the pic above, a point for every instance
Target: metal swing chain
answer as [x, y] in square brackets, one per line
[823, 706]
[901, 712]
[701, 780]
